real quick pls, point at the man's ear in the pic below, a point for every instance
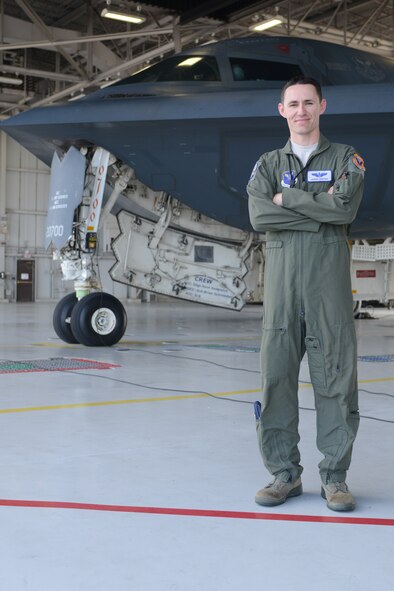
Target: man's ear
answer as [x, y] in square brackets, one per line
[323, 106]
[281, 110]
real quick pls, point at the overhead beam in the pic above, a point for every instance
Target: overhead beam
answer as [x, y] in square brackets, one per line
[71, 16]
[127, 65]
[18, 31]
[303, 17]
[89, 39]
[364, 29]
[33, 16]
[204, 9]
[39, 73]
[188, 35]
[356, 6]
[9, 106]
[249, 11]
[334, 14]
[333, 35]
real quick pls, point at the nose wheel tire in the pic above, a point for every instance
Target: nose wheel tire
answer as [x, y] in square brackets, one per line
[62, 318]
[356, 308]
[98, 320]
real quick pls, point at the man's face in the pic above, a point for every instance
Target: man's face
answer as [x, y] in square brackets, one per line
[302, 108]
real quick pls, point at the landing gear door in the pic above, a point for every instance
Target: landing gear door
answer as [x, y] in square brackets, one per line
[65, 194]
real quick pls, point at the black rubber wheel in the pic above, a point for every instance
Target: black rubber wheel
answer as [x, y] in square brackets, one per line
[62, 318]
[357, 305]
[98, 320]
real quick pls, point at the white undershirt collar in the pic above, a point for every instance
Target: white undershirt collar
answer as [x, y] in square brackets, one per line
[303, 152]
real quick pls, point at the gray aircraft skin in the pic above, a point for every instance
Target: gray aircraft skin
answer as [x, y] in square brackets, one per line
[195, 130]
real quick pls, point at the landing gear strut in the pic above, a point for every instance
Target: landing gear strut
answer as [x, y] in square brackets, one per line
[88, 316]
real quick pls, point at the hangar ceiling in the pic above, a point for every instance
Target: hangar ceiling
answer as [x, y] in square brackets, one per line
[62, 49]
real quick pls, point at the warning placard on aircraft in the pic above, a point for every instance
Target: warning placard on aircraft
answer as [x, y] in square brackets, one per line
[65, 194]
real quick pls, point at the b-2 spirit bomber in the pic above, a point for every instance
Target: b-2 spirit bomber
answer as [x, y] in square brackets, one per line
[169, 151]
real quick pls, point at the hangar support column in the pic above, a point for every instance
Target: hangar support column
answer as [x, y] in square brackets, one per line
[392, 23]
[3, 218]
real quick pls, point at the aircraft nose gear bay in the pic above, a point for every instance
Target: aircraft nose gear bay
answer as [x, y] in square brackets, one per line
[165, 248]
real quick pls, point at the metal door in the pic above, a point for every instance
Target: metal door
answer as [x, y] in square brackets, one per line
[25, 280]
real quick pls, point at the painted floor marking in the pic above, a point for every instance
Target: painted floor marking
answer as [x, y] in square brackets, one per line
[153, 343]
[198, 512]
[369, 381]
[127, 401]
[52, 364]
[153, 399]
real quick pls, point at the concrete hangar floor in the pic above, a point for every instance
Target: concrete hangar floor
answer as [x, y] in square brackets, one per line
[135, 467]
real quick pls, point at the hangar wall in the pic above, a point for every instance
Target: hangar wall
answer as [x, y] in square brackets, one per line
[24, 186]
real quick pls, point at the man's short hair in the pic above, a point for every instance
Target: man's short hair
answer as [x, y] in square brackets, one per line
[302, 80]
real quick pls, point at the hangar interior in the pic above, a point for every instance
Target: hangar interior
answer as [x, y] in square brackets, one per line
[135, 466]
[62, 51]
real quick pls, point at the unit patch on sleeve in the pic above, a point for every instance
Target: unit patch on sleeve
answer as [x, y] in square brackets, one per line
[319, 176]
[254, 171]
[359, 162]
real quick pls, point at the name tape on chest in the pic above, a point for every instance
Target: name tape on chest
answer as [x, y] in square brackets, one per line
[319, 176]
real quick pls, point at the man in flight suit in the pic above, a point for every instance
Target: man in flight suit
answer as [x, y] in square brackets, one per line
[304, 196]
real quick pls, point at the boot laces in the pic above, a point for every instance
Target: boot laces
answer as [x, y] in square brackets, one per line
[278, 483]
[339, 486]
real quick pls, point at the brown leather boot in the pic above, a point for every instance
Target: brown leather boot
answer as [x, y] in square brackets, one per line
[338, 496]
[279, 490]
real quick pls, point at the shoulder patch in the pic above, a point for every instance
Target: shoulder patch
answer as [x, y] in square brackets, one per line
[358, 161]
[254, 171]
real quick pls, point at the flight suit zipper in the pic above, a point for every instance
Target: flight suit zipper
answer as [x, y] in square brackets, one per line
[301, 237]
[301, 311]
[301, 292]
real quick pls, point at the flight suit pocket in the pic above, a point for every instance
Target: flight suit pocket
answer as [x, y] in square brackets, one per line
[316, 362]
[274, 353]
[273, 244]
[345, 357]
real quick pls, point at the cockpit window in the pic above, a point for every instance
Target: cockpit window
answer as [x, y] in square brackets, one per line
[253, 69]
[178, 69]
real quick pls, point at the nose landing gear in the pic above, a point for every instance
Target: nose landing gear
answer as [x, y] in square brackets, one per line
[97, 320]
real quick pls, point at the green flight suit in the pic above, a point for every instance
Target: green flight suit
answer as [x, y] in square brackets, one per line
[308, 303]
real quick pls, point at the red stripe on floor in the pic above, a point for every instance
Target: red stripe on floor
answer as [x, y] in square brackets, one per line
[198, 512]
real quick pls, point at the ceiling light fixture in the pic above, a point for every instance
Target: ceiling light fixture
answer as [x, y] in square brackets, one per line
[109, 82]
[76, 97]
[9, 80]
[267, 24]
[136, 19]
[190, 61]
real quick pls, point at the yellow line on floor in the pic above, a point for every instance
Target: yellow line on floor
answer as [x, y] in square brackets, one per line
[115, 402]
[164, 342]
[372, 380]
[154, 399]
[376, 380]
